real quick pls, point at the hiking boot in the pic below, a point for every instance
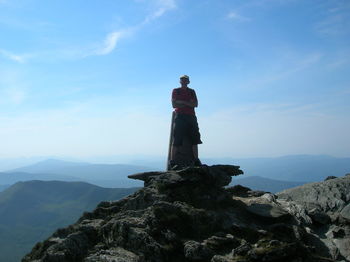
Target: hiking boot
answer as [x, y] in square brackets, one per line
[197, 162]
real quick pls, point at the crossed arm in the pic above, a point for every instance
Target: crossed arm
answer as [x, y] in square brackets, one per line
[181, 103]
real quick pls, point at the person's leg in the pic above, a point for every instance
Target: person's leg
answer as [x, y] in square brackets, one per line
[196, 139]
[177, 140]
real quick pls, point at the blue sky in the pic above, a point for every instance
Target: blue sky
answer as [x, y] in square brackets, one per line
[94, 78]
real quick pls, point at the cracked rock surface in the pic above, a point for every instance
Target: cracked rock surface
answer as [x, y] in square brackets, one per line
[189, 215]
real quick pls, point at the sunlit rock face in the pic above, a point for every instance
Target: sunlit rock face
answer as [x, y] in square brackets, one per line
[189, 215]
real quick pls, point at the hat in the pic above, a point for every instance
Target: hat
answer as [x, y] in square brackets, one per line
[185, 76]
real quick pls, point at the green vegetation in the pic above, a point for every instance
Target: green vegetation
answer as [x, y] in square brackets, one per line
[31, 211]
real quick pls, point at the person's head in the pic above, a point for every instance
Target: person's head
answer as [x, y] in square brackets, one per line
[184, 80]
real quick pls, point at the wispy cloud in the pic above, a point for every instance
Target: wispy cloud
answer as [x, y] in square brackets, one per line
[336, 20]
[339, 62]
[110, 42]
[113, 38]
[100, 48]
[15, 57]
[287, 69]
[232, 15]
[163, 6]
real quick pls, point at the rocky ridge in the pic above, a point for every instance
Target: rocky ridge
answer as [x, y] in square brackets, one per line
[189, 215]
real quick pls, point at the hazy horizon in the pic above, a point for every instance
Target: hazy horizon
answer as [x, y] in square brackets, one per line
[90, 79]
[7, 164]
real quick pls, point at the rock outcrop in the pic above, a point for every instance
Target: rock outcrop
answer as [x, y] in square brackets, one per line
[189, 215]
[326, 211]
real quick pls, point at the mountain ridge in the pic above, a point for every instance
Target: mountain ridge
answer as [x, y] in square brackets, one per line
[105, 175]
[31, 210]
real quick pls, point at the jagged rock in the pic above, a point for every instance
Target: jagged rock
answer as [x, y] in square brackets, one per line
[242, 191]
[329, 178]
[242, 250]
[266, 207]
[326, 204]
[319, 216]
[195, 251]
[117, 254]
[328, 196]
[238, 190]
[345, 213]
[188, 215]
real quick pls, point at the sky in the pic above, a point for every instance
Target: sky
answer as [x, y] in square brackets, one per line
[94, 78]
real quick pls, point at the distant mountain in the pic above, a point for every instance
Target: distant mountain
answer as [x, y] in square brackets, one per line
[14, 177]
[264, 184]
[7, 163]
[308, 168]
[3, 187]
[48, 166]
[31, 211]
[107, 175]
[303, 168]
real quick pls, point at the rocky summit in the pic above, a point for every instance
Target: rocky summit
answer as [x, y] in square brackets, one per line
[189, 215]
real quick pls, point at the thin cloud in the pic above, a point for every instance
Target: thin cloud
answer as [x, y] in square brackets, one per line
[105, 47]
[163, 7]
[14, 57]
[237, 17]
[339, 63]
[335, 21]
[113, 38]
[289, 69]
[110, 42]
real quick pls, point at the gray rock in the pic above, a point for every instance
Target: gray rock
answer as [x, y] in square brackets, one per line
[195, 251]
[319, 216]
[188, 215]
[329, 178]
[345, 212]
[266, 207]
[218, 258]
[117, 254]
[324, 203]
[242, 250]
[268, 211]
[328, 196]
[343, 245]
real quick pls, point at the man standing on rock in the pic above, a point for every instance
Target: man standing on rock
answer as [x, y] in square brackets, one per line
[184, 100]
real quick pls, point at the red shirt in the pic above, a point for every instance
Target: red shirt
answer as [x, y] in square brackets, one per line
[185, 94]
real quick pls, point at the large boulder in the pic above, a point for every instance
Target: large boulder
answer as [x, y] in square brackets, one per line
[189, 215]
[326, 213]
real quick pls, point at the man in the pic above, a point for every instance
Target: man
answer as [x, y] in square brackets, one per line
[184, 100]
